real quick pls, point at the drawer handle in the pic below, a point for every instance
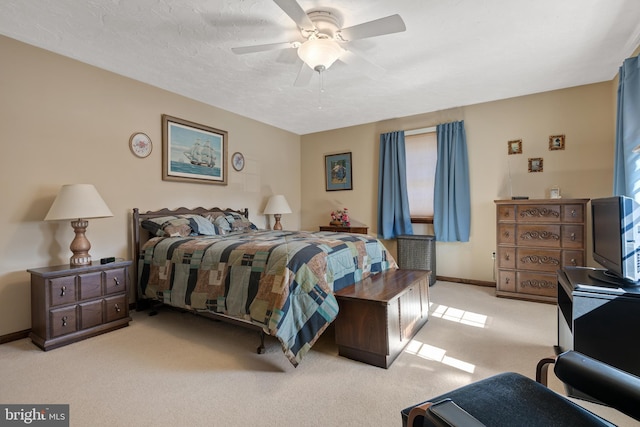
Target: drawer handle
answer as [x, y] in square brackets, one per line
[64, 320]
[117, 307]
[116, 281]
[507, 280]
[506, 234]
[574, 213]
[63, 291]
[506, 257]
[573, 236]
[573, 262]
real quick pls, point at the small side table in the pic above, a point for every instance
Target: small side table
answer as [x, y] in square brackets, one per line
[359, 229]
[69, 304]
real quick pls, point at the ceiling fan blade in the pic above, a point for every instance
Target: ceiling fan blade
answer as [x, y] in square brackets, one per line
[389, 25]
[369, 68]
[263, 47]
[295, 12]
[304, 76]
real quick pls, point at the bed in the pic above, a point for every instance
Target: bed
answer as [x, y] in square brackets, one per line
[216, 263]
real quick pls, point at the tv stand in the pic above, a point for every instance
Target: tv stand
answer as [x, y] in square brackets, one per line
[611, 279]
[598, 319]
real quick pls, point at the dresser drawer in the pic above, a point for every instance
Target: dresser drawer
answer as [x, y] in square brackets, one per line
[90, 285]
[572, 258]
[542, 284]
[507, 257]
[115, 280]
[90, 314]
[538, 235]
[506, 213]
[506, 233]
[573, 213]
[115, 307]
[538, 213]
[62, 290]
[506, 281]
[63, 321]
[538, 259]
[572, 236]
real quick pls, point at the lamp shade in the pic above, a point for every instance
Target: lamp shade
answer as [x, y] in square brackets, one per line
[319, 54]
[75, 201]
[277, 205]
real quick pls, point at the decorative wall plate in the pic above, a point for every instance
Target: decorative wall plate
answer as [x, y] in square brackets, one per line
[140, 144]
[237, 161]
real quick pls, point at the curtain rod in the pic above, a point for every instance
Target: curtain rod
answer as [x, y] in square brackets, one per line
[419, 131]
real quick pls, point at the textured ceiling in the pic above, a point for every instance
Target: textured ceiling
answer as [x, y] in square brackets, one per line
[453, 53]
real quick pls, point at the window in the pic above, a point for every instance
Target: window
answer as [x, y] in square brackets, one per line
[422, 154]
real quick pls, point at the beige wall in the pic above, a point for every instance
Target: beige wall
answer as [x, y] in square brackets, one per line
[583, 170]
[63, 122]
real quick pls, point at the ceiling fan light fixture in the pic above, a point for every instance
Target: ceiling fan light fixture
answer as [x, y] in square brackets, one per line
[319, 54]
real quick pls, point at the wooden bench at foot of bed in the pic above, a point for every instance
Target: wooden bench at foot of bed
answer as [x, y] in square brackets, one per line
[379, 315]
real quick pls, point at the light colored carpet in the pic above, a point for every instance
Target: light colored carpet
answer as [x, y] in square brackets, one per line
[176, 369]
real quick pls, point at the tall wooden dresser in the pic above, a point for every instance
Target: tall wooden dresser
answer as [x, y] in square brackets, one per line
[535, 238]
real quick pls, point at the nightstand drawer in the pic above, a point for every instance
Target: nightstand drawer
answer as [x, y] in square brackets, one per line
[90, 285]
[63, 321]
[90, 314]
[116, 308]
[115, 280]
[62, 290]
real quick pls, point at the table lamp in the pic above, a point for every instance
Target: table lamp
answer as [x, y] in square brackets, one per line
[277, 205]
[78, 202]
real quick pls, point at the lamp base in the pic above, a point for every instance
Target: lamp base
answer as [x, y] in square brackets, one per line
[277, 225]
[80, 245]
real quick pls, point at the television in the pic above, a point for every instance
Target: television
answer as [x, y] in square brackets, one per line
[616, 240]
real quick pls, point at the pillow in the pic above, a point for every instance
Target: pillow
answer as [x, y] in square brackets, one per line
[222, 225]
[202, 226]
[167, 226]
[239, 222]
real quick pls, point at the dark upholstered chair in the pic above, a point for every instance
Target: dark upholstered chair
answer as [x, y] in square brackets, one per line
[511, 399]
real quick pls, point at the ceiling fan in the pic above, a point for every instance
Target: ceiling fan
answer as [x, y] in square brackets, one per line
[323, 38]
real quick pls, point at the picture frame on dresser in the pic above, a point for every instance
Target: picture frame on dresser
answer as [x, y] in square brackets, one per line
[193, 152]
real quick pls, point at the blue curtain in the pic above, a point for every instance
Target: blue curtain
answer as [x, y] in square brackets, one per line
[452, 199]
[394, 218]
[626, 174]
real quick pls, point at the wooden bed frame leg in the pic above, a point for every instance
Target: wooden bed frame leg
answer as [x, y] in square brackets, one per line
[261, 349]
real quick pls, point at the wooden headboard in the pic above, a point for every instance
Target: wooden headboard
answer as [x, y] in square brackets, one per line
[140, 235]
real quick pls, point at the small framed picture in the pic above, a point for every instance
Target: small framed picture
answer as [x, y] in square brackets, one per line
[535, 164]
[556, 142]
[515, 146]
[554, 193]
[338, 173]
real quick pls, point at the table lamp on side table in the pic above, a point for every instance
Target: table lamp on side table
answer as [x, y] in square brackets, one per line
[78, 202]
[277, 205]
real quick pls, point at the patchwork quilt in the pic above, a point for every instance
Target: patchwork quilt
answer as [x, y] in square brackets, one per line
[282, 281]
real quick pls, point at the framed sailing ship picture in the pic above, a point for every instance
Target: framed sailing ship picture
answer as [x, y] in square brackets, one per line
[192, 152]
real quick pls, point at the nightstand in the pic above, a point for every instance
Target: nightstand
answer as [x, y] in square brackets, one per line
[69, 304]
[360, 229]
